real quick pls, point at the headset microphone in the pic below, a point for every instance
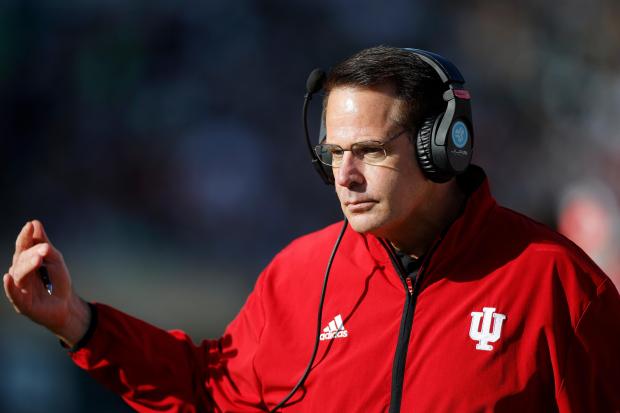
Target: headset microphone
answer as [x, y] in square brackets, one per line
[315, 81]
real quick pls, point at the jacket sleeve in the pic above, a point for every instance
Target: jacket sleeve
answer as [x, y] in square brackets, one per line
[591, 380]
[154, 370]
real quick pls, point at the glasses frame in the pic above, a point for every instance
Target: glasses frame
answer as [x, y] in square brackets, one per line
[318, 149]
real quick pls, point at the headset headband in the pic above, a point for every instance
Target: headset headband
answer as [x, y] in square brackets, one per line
[444, 143]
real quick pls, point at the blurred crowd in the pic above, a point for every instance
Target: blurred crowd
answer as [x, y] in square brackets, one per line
[161, 143]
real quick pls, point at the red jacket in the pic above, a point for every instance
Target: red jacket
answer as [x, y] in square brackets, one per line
[506, 316]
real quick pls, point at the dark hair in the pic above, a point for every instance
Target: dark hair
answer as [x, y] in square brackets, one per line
[416, 83]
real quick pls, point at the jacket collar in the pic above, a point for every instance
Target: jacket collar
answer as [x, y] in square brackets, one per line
[459, 236]
[464, 231]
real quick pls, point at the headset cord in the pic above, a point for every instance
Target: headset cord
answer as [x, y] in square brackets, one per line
[318, 324]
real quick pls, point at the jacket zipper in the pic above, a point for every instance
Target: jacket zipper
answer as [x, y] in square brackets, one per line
[406, 323]
[409, 285]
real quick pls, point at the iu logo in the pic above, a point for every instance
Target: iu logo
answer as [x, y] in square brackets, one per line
[485, 336]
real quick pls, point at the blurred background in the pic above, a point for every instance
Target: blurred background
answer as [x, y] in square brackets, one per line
[161, 144]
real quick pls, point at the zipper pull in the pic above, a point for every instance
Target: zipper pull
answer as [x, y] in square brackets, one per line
[409, 285]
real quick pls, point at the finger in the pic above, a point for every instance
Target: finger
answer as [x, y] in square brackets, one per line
[46, 251]
[6, 281]
[14, 294]
[39, 232]
[28, 261]
[40, 236]
[24, 240]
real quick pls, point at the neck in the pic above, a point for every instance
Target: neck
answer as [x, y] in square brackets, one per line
[416, 236]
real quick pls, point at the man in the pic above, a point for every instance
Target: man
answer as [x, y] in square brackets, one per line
[439, 300]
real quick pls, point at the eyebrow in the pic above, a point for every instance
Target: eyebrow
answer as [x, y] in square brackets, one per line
[394, 132]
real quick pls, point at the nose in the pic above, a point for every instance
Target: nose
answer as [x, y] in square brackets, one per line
[350, 171]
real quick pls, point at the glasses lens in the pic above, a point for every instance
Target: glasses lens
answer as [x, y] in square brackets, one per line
[370, 152]
[330, 155]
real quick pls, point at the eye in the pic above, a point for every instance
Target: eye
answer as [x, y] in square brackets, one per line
[335, 151]
[371, 152]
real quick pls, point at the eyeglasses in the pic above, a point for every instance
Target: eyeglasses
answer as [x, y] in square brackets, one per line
[370, 152]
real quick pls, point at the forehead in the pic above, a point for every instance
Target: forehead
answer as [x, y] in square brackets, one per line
[355, 114]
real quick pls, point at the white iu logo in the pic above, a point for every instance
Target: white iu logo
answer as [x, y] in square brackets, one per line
[484, 336]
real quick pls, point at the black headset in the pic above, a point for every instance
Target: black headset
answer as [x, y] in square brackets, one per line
[444, 143]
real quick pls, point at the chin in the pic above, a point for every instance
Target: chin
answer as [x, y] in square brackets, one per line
[363, 224]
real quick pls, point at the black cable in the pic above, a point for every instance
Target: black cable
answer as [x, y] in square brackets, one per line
[304, 114]
[313, 85]
[318, 323]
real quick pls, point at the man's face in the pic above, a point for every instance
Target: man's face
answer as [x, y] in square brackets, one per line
[386, 199]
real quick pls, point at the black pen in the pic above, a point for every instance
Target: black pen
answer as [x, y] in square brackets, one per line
[45, 279]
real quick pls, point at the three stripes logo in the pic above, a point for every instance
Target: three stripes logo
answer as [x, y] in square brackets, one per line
[335, 329]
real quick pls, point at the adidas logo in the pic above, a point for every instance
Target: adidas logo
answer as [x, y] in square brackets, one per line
[335, 329]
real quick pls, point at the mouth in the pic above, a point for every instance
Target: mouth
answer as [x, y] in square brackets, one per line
[361, 205]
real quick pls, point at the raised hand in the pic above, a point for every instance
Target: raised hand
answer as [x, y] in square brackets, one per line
[62, 312]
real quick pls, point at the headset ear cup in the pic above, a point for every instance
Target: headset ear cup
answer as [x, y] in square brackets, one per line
[423, 147]
[424, 151]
